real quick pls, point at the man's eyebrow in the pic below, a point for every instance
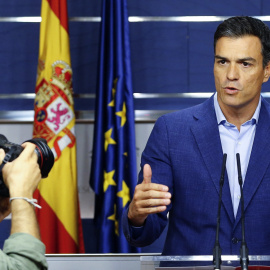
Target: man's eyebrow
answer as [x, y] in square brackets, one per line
[250, 59]
[220, 57]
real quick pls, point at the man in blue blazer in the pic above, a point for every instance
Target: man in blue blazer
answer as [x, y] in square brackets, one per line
[181, 164]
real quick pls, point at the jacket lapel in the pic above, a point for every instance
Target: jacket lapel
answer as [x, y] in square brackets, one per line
[259, 158]
[206, 133]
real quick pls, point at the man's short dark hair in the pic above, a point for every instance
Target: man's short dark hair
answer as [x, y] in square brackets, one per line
[240, 26]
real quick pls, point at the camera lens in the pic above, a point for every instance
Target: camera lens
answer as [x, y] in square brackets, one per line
[45, 155]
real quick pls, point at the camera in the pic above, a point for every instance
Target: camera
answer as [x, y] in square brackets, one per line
[43, 151]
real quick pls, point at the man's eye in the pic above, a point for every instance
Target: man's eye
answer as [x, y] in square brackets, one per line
[246, 64]
[222, 62]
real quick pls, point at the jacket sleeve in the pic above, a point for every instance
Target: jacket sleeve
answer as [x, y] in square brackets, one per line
[23, 251]
[157, 155]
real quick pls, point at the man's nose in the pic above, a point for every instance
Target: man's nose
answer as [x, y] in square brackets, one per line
[232, 72]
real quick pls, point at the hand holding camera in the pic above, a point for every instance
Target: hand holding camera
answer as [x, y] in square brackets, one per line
[23, 174]
[35, 158]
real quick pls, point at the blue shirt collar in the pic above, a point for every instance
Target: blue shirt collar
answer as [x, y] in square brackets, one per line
[221, 118]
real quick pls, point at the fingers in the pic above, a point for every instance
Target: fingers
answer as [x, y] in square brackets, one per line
[152, 192]
[2, 155]
[147, 173]
[147, 202]
[147, 176]
[153, 186]
[149, 198]
[151, 206]
[22, 175]
[152, 197]
[28, 150]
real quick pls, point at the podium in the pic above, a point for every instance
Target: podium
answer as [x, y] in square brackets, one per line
[256, 262]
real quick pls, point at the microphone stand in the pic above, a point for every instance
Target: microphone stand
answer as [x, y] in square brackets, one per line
[244, 249]
[217, 250]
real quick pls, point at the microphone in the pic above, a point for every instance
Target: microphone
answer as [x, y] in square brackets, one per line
[244, 249]
[217, 250]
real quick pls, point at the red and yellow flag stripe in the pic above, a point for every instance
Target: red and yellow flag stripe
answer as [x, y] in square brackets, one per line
[59, 218]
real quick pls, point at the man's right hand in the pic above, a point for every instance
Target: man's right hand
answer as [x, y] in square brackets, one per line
[149, 198]
[22, 175]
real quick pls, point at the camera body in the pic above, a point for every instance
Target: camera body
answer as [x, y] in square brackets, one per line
[44, 154]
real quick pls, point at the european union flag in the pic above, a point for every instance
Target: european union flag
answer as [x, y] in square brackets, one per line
[113, 170]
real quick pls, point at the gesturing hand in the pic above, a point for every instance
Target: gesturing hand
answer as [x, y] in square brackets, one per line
[149, 198]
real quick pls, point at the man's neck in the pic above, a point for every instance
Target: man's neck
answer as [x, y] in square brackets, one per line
[238, 115]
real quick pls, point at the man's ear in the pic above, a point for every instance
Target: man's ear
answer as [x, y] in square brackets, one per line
[266, 72]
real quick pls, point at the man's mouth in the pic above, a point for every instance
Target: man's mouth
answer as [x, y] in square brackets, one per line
[231, 90]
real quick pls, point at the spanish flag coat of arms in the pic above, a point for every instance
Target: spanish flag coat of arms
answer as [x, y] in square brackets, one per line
[54, 120]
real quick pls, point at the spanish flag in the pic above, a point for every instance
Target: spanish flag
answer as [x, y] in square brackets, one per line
[59, 218]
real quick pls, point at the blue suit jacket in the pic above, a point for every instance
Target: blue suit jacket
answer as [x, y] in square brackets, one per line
[185, 153]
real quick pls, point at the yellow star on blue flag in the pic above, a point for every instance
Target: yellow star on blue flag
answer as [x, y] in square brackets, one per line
[122, 114]
[124, 193]
[114, 149]
[108, 139]
[116, 223]
[108, 180]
